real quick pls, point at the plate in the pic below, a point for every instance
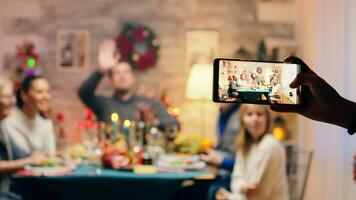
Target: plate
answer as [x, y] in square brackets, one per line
[47, 171]
[180, 162]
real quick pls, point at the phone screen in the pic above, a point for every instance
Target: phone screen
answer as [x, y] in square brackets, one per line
[254, 82]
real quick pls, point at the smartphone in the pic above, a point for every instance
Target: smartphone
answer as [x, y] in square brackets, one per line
[256, 82]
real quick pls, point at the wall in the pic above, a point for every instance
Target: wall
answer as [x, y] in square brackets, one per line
[237, 21]
[326, 29]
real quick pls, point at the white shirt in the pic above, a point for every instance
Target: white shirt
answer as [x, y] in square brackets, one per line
[29, 134]
[264, 165]
[276, 89]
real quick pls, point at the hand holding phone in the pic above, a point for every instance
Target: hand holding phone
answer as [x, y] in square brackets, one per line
[321, 101]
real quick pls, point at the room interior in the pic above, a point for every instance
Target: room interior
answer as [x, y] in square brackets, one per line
[189, 34]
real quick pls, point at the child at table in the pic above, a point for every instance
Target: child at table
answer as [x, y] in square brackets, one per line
[261, 169]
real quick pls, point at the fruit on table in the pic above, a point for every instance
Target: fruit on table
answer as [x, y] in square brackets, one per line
[205, 144]
[50, 163]
[188, 143]
[78, 151]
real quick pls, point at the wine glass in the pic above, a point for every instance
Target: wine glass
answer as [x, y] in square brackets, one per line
[170, 134]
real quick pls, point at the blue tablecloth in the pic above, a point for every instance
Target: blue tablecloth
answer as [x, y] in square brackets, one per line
[254, 96]
[112, 184]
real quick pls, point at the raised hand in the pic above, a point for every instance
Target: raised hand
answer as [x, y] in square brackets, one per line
[108, 57]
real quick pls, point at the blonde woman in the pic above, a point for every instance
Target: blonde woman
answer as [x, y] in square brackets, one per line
[261, 170]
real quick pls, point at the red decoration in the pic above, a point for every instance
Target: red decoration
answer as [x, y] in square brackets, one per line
[58, 120]
[59, 117]
[88, 114]
[116, 160]
[89, 120]
[27, 63]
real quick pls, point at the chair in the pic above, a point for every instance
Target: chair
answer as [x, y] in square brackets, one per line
[298, 167]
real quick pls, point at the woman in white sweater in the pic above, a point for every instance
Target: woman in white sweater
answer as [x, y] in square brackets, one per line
[8, 152]
[26, 128]
[261, 170]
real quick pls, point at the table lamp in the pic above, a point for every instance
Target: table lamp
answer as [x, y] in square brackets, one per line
[200, 87]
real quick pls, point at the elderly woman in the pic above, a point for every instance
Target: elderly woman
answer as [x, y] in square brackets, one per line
[8, 151]
[26, 128]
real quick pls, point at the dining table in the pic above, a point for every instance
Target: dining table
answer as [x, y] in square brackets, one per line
[93, 182]
[254, 96]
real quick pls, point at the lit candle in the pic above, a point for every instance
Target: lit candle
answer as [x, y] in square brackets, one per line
[126, 130]
[115, 117]
[133, 133]
[114, 124]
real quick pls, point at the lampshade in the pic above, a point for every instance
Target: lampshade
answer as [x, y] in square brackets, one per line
[200, 82]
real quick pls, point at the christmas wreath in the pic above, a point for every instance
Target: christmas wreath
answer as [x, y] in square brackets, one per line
[138, 45]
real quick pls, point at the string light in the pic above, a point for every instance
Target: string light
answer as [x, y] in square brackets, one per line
[135, 57]
[279, 133]
[31, 63]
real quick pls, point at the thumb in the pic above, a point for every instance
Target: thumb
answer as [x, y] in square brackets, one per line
[304, 79]
[295, 60]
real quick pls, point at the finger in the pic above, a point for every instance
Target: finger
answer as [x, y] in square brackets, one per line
[209, 151]
[203, 157]
[295, 60]
[303, 79]
[219, 197]
[224, 191]
[219, 192]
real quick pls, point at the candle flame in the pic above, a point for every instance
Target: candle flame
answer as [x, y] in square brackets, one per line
[127, 123]
[114, 117]
[176, 111]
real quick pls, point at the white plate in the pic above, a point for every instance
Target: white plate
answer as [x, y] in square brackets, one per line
[49, 171]
[177, 162]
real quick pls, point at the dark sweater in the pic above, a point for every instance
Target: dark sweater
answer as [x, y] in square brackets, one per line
[228, 128]
[103, 106]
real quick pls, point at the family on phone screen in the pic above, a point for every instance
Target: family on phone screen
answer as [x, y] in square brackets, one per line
[254, 83]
